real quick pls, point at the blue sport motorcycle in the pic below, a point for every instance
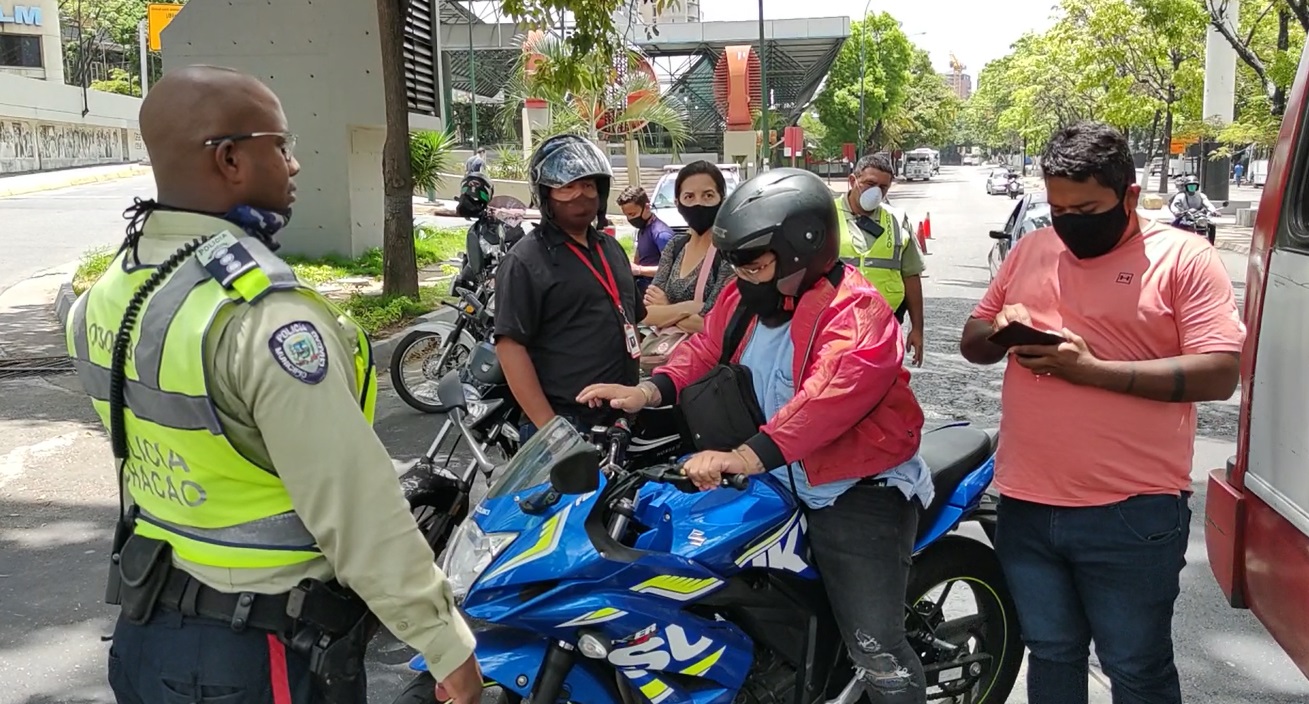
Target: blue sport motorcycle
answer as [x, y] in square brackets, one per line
[592, 574]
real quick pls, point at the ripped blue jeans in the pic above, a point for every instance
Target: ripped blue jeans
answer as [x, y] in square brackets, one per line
[863, 547]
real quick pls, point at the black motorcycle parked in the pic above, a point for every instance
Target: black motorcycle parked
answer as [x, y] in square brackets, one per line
[434, 348]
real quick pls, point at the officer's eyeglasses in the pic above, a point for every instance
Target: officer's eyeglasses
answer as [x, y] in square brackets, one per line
[287, 140]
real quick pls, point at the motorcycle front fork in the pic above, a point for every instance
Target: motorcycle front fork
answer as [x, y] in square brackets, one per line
[554, 671]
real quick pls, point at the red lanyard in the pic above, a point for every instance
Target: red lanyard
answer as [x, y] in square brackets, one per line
[611, 285]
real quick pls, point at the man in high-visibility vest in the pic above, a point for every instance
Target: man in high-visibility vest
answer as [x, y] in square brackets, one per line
[263, 533]
[878, 240]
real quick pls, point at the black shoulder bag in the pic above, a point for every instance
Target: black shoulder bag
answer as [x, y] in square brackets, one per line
[721, 409]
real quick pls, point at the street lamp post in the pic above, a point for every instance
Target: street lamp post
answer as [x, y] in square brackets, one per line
[472, 74]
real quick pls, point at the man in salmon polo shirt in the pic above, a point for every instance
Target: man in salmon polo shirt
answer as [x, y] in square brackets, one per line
[1097, 433]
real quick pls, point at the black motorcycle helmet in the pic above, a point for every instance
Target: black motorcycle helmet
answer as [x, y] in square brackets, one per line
[475, 193]
[565, 158]
[790, 212]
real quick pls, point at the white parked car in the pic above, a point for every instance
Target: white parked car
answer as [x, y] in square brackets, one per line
[997, 182]
[663, 201]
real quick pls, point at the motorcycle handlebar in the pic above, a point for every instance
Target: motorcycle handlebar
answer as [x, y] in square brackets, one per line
[673, 474]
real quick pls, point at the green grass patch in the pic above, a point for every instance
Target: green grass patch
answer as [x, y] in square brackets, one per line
[375, 314]
[378, 314]
[92, 267]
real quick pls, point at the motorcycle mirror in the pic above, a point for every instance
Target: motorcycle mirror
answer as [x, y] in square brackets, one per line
[450, 391]
[999, 235]
[577, 471]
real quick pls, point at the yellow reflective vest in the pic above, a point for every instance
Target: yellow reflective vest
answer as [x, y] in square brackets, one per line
[190, 486]
[879, 260]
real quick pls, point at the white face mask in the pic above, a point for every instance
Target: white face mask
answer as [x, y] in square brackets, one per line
[871, 199]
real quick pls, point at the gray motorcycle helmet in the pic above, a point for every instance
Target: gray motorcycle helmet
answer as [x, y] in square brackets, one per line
[789, 211]
[565, 158]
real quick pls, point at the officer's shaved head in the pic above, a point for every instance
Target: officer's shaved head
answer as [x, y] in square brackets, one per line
[216, 139]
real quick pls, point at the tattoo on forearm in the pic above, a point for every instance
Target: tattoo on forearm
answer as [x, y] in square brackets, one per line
[1179, 384]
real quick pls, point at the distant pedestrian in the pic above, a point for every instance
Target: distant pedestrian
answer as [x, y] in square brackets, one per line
[476, 163]
[1238, 171]
[652, 235]
[1098, 432]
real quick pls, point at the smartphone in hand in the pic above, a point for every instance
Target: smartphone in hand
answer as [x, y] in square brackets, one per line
[1016, 334]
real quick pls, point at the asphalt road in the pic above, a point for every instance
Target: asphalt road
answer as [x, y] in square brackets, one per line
[43, 230]
[57, 494]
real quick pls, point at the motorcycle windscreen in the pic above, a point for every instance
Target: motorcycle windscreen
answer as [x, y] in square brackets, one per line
[531, 465]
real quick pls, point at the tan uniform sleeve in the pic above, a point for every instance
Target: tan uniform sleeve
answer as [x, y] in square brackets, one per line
[340, 477]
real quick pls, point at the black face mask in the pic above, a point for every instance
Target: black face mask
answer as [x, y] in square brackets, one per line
[765, 301]
[700, 218]
[1091, 235]
[638, 223]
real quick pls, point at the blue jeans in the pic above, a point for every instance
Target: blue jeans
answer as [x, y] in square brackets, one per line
[1108, 574]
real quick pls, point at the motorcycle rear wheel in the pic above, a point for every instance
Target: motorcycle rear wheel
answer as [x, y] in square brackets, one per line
[993, 632]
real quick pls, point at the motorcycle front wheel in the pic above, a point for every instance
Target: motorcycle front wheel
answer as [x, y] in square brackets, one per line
[973, 657]
[416, 365]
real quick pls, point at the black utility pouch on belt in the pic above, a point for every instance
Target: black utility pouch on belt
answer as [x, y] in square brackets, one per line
[143, 566]
[332, 628]
[721, 409]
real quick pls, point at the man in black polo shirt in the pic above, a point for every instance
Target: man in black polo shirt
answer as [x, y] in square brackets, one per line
[566, 303]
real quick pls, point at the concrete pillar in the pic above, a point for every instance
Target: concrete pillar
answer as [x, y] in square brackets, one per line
[1219, 101]
[324, 61]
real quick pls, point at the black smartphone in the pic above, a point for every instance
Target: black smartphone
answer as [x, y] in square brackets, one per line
[1015, 334]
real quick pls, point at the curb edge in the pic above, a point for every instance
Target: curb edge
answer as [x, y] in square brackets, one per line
[130, 170]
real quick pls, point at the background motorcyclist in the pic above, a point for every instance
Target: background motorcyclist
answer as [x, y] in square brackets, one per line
[566, 303]
[850, 416]
[1189, 198]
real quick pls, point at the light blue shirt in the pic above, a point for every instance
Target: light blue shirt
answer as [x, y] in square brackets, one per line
[769, 354]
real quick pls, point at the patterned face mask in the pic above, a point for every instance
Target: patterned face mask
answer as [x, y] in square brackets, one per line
[260, 223]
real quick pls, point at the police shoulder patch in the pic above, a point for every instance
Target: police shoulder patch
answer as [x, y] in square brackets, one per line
[299, 350]
[225, 258]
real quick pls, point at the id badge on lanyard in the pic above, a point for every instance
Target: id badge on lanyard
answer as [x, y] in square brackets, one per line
[610, 285]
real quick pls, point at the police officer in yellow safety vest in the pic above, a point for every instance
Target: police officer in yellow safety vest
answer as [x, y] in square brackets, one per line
[877, 239]
[262, 519]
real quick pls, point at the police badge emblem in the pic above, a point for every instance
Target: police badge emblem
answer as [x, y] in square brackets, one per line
[299, 350]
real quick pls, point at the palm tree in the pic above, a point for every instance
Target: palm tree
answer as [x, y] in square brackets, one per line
[595, 98]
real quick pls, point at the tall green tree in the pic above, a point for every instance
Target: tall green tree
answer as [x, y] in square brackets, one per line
[1268, 40]
[593, 33]
[1155, 45]
[873, 64]
[930, 110]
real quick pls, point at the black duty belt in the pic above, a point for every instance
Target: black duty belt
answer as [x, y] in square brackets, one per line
[312, 602]
[185, 594]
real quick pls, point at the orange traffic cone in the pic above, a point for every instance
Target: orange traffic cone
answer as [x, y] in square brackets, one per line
[927, 227]
[920, 235]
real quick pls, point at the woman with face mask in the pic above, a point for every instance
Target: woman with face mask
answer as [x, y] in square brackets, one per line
[837, 422]
[691, 273]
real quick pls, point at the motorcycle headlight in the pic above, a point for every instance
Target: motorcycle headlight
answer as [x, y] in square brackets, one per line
[471, 551]
[478, 409]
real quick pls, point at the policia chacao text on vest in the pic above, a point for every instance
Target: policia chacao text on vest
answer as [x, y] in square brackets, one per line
[264, 533]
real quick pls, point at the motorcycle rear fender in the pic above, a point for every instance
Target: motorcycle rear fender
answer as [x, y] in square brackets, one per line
[964, 504]
[512, 659]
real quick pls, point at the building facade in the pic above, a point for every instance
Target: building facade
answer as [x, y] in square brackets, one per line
[30, 42]
[960, 83]
[679, 11]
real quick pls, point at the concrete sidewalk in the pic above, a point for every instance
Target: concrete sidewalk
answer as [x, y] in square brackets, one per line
[31, 331]
[22, 184]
